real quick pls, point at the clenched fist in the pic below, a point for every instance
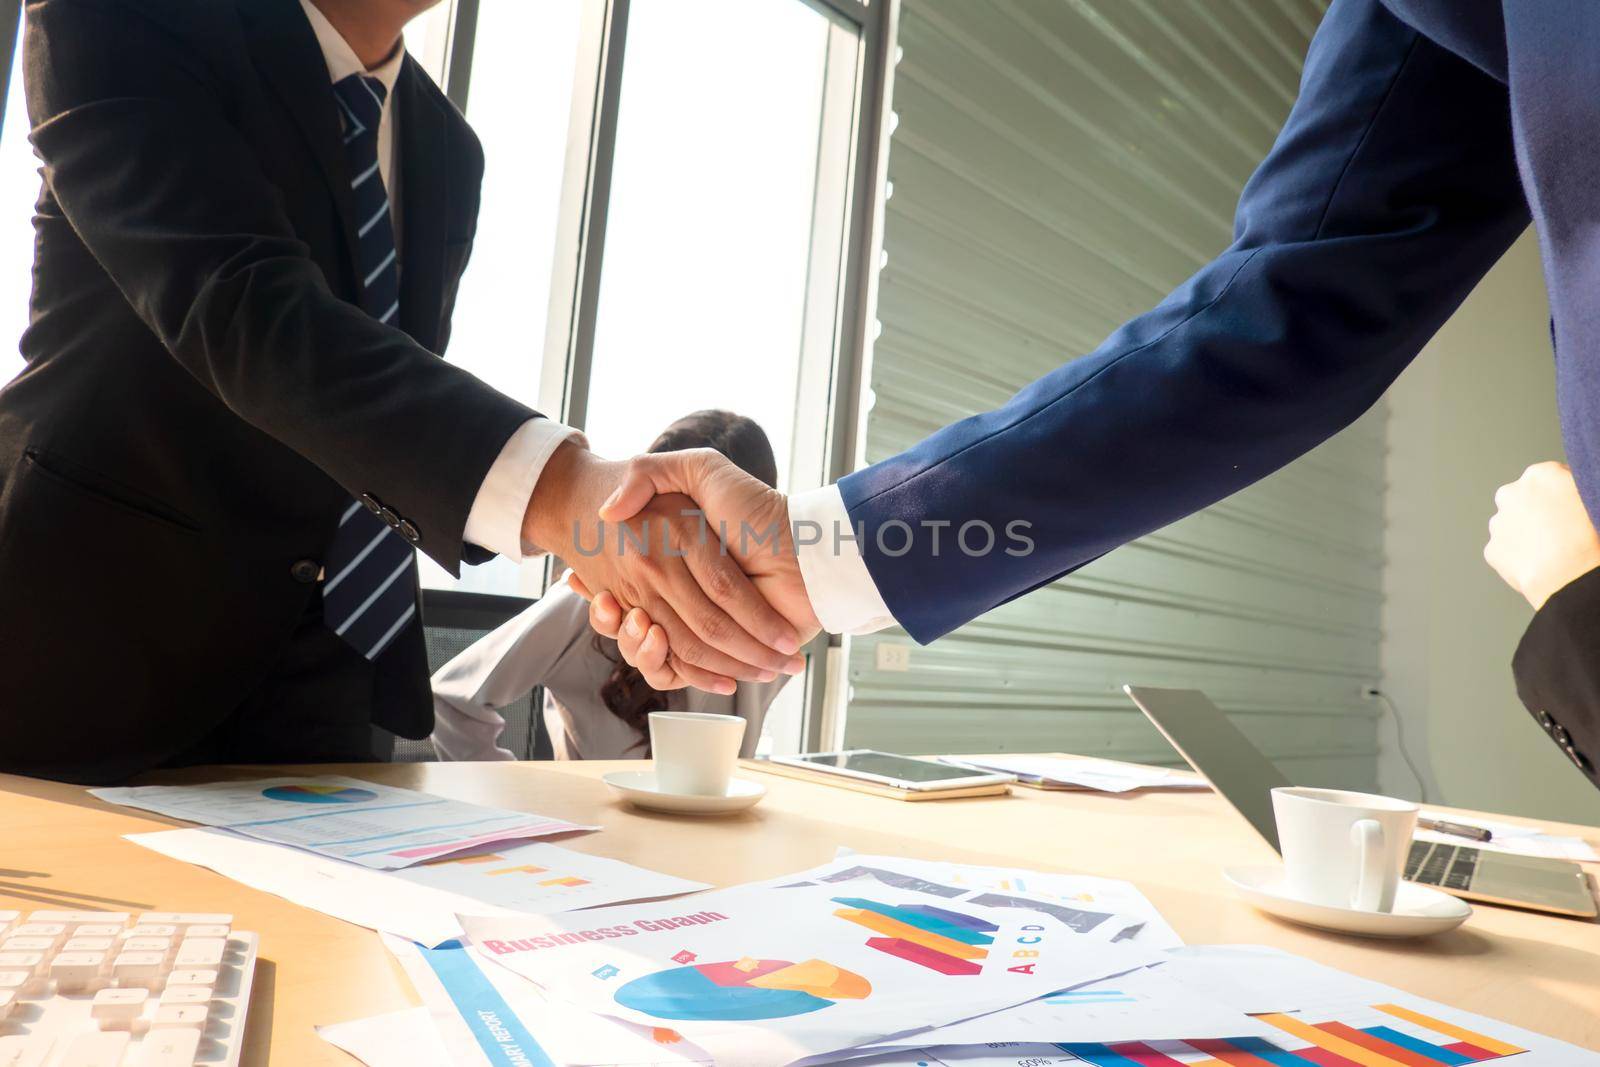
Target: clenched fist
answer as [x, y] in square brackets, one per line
[1541, 538]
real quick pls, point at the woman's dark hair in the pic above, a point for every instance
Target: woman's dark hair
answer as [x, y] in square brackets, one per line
[742, 440]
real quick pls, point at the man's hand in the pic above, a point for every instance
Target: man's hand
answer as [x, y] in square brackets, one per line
[667, 563]
[1541, 538]
[752, 521]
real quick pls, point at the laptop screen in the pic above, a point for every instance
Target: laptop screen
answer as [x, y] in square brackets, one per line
[1216, 748]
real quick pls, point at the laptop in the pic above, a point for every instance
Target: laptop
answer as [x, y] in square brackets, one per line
[1216, 748]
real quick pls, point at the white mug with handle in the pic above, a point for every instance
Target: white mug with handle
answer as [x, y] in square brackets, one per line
[1343, 849]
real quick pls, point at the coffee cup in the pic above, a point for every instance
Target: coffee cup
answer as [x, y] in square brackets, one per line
[1343, 849]
[695, 752]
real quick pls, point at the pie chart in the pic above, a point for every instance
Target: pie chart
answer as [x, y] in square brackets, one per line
[318, 794]
[742, 990]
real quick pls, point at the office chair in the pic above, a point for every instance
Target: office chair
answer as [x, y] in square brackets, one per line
[453, 620]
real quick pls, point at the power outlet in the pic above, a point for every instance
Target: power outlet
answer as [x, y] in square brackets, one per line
[893, 656]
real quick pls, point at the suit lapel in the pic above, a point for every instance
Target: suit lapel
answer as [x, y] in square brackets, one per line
[424, 206]
[286, 51]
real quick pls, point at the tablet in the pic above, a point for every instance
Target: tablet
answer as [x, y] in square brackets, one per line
[886, 768]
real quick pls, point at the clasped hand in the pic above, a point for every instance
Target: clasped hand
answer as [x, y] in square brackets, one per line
[687, 562]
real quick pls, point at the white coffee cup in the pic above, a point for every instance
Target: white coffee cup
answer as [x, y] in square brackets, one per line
[695, 752]
[1343, 849]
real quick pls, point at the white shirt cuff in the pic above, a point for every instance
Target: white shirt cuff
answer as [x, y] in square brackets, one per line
[842, 591]
[495, 521]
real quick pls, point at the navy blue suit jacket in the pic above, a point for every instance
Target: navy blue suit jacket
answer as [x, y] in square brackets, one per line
[1423, 133]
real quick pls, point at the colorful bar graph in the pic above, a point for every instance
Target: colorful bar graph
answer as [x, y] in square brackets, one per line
[1460, 1033]
[923, 956]
[1144, 1055]
[1394, 1053]
[894, 928]
[1100, 1055]
[1332, 1042]
[1283, 1058]
[564, 882]
[1339, 1044]
[520, 870]
[1234, 1055]
[1436, 1053]
[920, 918]
[1323, 1058]
[954, 918]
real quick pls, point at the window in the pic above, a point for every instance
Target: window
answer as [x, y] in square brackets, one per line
[728, 189]
[704, 285]
[523, 62]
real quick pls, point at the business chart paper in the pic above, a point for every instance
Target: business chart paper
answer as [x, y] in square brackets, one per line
[1259, 980]
[421, 903]
[1144, 1005]
[1104, 895]
[1343, 1021]
[955, 882]
[765, 975]
[486, 1016]
[998, 1054]
[1402, 1031]
[374, 825]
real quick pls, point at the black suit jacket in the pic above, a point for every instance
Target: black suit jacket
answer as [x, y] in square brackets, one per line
[202, 395]
[1557, 666]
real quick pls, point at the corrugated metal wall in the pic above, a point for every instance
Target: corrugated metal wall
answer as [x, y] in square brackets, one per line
[1058, 166]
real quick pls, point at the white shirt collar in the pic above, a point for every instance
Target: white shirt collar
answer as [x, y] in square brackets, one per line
[341, 58]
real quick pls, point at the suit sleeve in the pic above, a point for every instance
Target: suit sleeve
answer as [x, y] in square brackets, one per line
[1557, 667]
[170, 199]
[1390, 191]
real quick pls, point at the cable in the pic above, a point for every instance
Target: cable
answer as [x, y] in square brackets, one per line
[1400, 736]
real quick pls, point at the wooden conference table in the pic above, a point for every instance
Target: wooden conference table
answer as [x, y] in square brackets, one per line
[60, 848]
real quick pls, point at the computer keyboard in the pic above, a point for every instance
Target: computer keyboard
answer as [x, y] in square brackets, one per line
[1430, 863]
[114, 989]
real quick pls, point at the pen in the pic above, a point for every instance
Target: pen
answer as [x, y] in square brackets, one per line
[1457, 829]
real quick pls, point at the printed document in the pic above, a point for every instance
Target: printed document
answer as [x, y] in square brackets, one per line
[374, 825]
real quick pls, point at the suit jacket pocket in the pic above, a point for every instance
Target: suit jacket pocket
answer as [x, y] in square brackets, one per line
[105, 490]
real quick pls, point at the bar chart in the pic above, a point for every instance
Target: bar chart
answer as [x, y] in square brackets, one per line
[1378, 1035]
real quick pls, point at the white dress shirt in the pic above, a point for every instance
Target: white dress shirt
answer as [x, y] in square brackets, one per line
[495, 521]
[842, 591]
[550, 644]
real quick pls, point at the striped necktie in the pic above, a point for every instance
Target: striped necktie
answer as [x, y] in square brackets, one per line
[371, 591]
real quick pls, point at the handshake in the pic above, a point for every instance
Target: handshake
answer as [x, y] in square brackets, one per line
[688, 561]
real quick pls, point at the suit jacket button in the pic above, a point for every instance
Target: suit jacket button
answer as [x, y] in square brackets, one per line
[1559, 732]
[409, 531]
[1577, 759]
[388, 516]
[371, 503]
[305, 571]
[1545, 720]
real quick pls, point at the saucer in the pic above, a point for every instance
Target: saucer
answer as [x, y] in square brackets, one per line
[639, 788]
[1418, 910]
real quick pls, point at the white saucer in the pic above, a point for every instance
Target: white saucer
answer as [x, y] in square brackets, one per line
[1418, 910]
[639, 788]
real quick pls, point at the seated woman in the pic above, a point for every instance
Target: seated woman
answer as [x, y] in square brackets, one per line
[595, 705]
[1543, 543]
